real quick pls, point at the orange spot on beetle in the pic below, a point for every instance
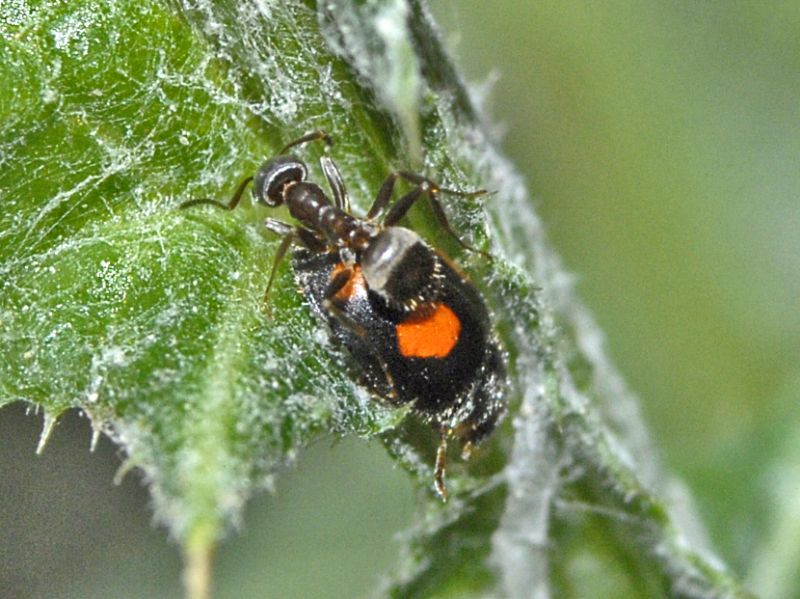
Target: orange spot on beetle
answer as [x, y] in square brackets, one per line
[431, 334]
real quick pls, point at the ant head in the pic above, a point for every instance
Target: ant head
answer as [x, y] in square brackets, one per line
[269, 184]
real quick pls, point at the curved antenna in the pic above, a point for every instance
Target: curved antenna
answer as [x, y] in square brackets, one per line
[232, 203]
[308, 137]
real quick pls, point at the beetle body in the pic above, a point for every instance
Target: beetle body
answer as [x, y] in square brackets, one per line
[440, 357]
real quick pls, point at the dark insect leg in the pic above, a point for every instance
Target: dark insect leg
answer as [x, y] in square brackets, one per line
[383, 197]
[308, 137]
[334, 177]
[290, 234]
[441, 464]
[334, 310]
[338, 283]
[278, 226]
[310, 240]
[403, 205]
[232, 203]
[329, 304]
[279, 254]
[438, 211]
[385, 193]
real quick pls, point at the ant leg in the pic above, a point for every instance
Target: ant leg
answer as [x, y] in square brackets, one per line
[438, 211]
[310, 240]
[441, 464]
[279, 254]
[334, 176]
[402, 206]
[385, 194]
[308, 137]
[290, 234]
[278, 226]
[306, 237]
[232, 203]
[429, 188]
[383, 197]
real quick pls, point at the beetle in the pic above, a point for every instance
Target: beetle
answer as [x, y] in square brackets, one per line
[417, 328]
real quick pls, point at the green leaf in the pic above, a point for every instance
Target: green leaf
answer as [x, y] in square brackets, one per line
[149, 319]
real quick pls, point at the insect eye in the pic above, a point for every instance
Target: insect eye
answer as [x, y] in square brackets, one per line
[270, 182]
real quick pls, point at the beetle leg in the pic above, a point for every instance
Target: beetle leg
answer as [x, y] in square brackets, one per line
[441, 464]
[331, 307]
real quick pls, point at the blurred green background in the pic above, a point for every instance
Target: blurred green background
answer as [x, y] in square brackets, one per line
[661, 142]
